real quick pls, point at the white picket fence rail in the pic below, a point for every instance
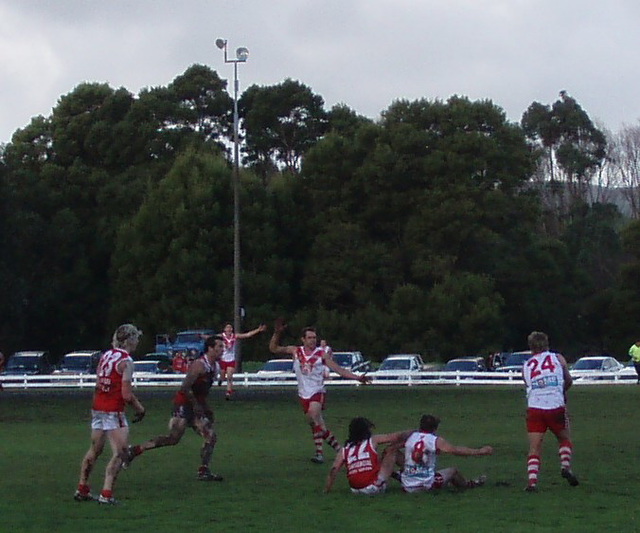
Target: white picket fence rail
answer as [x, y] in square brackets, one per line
[247, 380]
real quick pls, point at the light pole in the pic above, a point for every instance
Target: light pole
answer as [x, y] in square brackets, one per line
[241, 57]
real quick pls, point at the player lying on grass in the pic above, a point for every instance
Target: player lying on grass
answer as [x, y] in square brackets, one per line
[190, 409]
[366, 472]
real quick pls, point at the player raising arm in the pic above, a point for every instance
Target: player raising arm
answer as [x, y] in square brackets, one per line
[308, 365]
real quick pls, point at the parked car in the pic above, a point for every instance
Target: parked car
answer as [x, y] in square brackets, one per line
[185, 341]
[29, 363]
[465, 364]
[399, 366]
[277, 369]
[628, 371]
[353, 361]
[586, 367]
[163, 359]
[514, 362]
[79, 362]
[150, 370]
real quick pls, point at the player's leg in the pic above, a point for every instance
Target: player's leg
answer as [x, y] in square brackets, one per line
[565, 452]
[533, 459]
[98, 439]
[229, 377]
[204, 427]
[316, 423]
[118, 440]
[452, 476]
[177, 427]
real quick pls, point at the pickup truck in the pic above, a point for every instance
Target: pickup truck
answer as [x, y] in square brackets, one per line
[186, 341]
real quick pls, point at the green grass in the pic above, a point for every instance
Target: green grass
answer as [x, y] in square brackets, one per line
[270, 485]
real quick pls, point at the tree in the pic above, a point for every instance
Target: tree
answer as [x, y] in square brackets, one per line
[282, 122]
[625, 164]
[571, 150]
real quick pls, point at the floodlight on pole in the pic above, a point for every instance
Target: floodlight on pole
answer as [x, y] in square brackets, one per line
[242, 55]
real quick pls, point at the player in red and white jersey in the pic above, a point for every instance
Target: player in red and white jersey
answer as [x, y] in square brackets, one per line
[420, 450]
[308, 364]
[366, 472]
[190, 409]
[108, 420]
[547, 381]
[228, 358]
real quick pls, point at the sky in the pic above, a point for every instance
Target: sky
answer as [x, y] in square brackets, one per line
[362, 53]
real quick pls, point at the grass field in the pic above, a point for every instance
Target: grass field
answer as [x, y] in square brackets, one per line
[270, 485]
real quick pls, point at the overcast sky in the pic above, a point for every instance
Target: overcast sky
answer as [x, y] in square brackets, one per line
[363, 53]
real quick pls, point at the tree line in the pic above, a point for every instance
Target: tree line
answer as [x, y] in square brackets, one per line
[441, 228]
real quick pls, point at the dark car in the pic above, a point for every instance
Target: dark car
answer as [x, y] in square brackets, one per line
[79, 362]
[353, 361]
[514, 362]
[29, 363]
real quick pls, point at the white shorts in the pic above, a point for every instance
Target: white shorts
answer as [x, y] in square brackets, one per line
[374, 488]
[108, 421]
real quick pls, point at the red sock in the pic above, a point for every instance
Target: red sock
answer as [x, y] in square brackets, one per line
[533, 466]
[137, 451]
[83, 489]
[565, 451]
[106, 493]
[318, 433]
[331, 440]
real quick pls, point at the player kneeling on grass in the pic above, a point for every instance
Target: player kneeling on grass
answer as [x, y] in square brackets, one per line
[190, 409]
[366, 473]
[420, 450]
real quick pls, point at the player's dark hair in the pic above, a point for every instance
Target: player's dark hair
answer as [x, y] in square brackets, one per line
[308, 328]
[210, 342]
[429, 423]
[359, 430]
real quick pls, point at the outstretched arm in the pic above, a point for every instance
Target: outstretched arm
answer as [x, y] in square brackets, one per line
[443, 446]
[328, 360]
[251, 333]
[391, 438]
[337, 463]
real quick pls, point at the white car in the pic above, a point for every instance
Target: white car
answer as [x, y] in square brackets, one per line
[595, 367]
[399, 366]
[276, 370]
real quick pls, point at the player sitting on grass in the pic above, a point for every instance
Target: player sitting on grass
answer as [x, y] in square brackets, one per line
[420, 450]
[366, 473]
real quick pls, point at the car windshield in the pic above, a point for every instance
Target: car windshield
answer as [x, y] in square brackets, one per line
[588, 364]
[517, 359]
[277, 366]
[395, 364]
[23, 362]
[146, 366]
[460, 365]
[76, 362]
[343, 359]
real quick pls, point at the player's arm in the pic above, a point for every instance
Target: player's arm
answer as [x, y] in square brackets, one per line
[335, 467]
[444, 447]
[328, 360]
[391, 438]
[253, 332]
[126, 369]
[274, 344]
[568, 380]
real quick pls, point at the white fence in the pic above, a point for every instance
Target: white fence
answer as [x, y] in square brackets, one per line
[410, 379]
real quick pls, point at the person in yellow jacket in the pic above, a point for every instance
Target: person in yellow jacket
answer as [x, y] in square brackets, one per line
[634, 352]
